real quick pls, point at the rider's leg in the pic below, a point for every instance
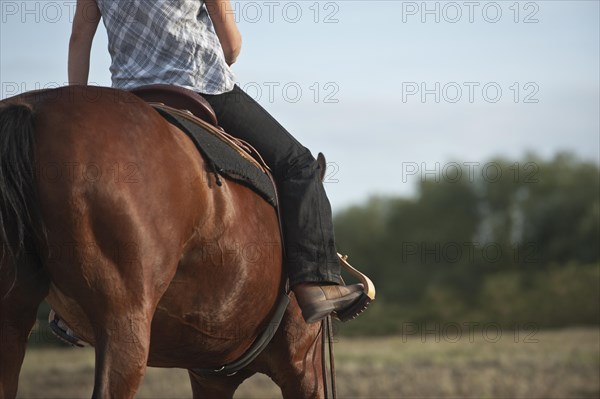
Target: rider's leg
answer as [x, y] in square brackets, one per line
[312, 261]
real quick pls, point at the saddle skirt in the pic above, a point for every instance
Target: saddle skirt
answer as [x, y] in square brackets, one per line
[225, 154]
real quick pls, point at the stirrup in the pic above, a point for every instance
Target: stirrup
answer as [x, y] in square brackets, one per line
[62, 331]
[366, 281]
[364, 300]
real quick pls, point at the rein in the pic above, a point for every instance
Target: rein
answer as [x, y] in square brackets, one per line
[327, 337]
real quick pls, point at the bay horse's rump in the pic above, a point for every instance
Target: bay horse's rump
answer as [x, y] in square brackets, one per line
[125, 196]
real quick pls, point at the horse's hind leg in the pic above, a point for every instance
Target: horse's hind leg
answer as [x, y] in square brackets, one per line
[18, 308]
[130, 277]
[122, 345]
[120, 309]
[217, 386]
[116, 285]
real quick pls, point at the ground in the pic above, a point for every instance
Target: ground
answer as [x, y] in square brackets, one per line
[454, 364]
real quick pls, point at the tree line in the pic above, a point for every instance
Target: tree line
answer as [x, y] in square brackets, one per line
[510, 242]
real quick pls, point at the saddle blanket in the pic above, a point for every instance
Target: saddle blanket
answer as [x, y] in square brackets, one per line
[226, 157]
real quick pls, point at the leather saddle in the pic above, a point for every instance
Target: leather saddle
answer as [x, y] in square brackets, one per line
[226, 155]
[178, 98]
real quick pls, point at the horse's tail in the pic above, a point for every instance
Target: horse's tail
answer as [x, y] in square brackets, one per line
[18, 197]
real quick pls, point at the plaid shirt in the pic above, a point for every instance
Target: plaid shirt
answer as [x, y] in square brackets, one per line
[164, 41]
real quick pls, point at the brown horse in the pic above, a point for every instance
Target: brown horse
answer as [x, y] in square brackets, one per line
[110, 213]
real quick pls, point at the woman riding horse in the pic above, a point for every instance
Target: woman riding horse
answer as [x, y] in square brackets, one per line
[109, 212]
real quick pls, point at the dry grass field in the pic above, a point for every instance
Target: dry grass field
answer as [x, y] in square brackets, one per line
[547, 364]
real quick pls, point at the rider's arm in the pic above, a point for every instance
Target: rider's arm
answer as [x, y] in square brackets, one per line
[223, 19]
[85, 23]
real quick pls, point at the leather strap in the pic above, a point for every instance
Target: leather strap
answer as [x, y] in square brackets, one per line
[327, 339]
[259, 344]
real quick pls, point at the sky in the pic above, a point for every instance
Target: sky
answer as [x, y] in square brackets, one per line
[389, 91]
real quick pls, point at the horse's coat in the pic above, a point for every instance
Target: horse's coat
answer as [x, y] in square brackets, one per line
[143, 255]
